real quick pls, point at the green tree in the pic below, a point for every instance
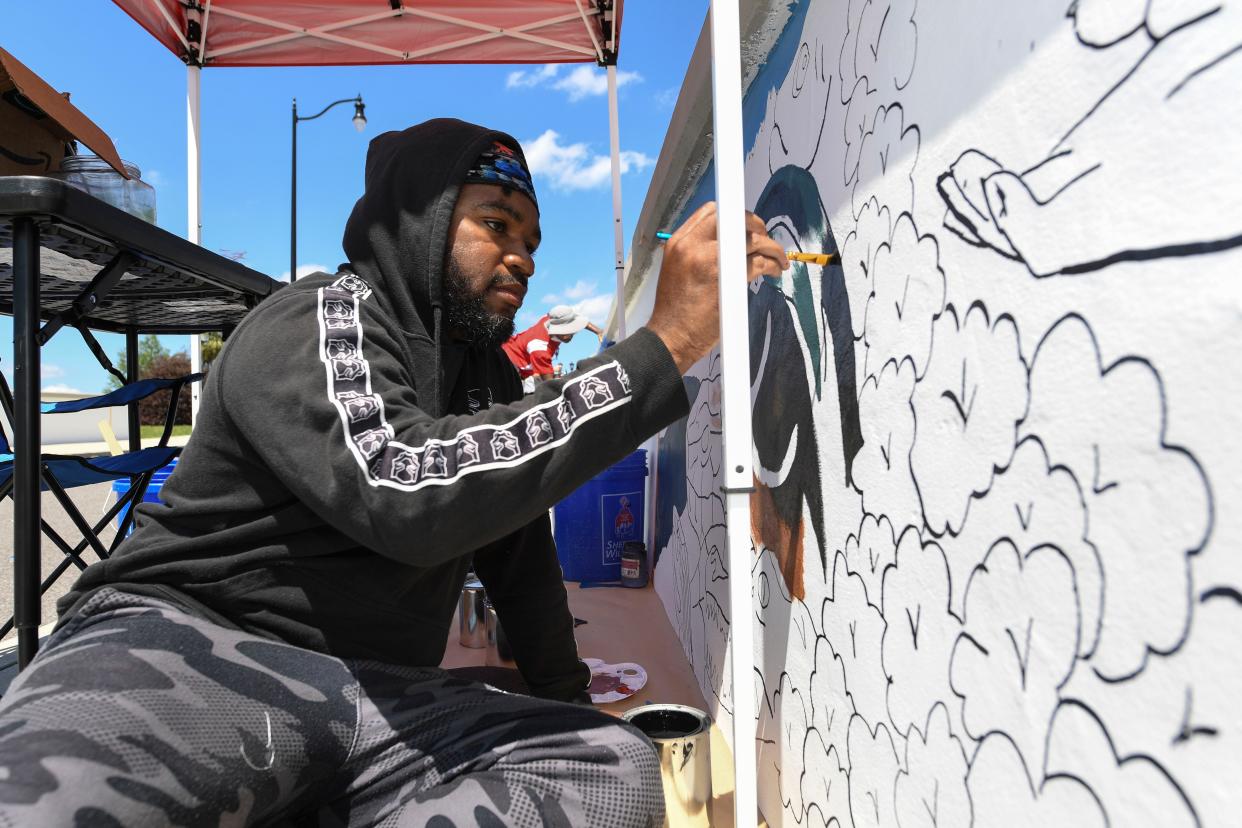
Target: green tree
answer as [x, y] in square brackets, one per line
[152, 352]
[149, 350]
[211, 345]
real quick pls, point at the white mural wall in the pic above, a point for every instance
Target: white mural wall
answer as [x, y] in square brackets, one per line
[997, 575]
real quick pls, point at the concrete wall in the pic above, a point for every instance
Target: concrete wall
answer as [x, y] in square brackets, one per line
[994, 581]
[78, 427]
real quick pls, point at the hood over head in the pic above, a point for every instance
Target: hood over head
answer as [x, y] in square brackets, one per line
[396, 236]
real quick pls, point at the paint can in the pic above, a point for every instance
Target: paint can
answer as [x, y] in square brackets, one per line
[472, 615]
[682, 738]
[499, 653]
[634, 564]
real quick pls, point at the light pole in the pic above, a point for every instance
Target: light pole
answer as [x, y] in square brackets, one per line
[360, 123]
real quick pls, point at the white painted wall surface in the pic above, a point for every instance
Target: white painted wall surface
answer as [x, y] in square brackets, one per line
[996, 561]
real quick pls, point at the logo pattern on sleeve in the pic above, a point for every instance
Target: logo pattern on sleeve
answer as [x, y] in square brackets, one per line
[437, 462]
[467, 451]
[353, 285]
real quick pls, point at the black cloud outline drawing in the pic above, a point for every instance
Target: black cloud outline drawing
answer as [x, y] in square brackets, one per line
[1099, 486]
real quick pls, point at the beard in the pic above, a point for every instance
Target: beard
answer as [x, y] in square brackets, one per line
[466, 315]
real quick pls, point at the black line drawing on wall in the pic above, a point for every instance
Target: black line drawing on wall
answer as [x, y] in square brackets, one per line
[884, 167]
[1130, 478]
[694, 552]
[876, 60]
[906, 297]
[1147, 137]
[1006, 629]
[670, 477]
[972, 397]
[810, 84]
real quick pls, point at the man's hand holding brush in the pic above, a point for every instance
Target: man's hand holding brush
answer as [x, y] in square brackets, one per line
[687, 305]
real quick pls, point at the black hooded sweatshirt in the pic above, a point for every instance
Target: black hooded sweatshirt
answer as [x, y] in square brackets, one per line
[347, 460]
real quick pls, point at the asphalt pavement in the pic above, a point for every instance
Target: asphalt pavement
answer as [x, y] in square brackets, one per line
[93, 501]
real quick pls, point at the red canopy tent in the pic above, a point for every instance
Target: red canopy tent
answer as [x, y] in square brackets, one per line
[358, 32]
[209, 33]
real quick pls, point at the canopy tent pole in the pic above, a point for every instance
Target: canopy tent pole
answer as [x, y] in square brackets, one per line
[194, 227]
[614, 139]
[735, 389]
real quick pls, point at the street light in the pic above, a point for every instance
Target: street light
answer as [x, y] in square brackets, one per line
[360, 123]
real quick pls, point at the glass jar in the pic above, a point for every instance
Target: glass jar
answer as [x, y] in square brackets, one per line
[95, 176]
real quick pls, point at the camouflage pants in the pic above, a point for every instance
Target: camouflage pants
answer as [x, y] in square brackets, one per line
[137, 714]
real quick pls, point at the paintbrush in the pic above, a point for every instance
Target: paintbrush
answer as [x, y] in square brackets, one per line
[792, 255]
[810, 258]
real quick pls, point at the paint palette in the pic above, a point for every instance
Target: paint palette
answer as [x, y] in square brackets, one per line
[614, 682]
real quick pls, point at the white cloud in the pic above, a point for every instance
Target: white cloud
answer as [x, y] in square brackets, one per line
[666, 98]
[582, 82]
[61, 388]
[304, 270]
[589, 81]
[155, 178]
[51, 371]
[573, 166]
[531, 77]
[581, 289]
[595, 308]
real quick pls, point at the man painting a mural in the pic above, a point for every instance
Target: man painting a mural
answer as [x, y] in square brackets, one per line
[264, 646]
[533, 351]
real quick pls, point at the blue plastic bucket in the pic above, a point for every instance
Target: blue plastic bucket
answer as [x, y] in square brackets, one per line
[152, 495]
[595, 521]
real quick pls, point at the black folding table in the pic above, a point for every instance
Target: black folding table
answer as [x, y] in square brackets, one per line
[80, 262]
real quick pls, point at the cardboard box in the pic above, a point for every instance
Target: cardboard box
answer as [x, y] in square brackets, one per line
[37, 122]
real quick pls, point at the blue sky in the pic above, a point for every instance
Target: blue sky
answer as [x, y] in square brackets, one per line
[135, 90]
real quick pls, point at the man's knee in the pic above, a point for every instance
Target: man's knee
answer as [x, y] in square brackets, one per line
[637, 767]
[607, 763]
[637, 750]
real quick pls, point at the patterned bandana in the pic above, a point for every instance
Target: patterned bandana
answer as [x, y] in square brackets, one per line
[502, 166]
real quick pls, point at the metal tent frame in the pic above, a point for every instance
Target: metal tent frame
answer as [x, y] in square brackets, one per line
[356, 32]
[735, 388]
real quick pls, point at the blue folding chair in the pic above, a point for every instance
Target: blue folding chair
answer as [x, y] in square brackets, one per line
[59, 472]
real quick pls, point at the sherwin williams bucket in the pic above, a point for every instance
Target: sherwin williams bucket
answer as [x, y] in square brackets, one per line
[682, 738]
[152, 495]
[594, 523]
